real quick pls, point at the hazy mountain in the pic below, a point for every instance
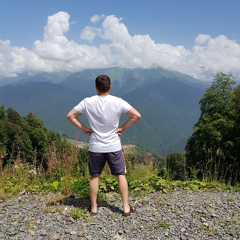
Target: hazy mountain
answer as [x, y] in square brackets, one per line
[127, 79]
[55, 77]
[168, 102]
[12, 80]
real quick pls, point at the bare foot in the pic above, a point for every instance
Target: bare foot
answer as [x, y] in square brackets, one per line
[93, 210]
[130, 210]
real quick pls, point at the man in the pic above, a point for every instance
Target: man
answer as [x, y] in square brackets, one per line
[103, 112]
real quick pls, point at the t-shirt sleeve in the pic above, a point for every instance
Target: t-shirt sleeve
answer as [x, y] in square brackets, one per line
[80, 107]
[125, 106]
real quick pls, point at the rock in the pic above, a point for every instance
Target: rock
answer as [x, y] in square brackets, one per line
[29, 238]
[80, 233]
[56, 236]
[177, 215]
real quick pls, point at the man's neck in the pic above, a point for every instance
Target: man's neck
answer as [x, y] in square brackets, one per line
[101, 94]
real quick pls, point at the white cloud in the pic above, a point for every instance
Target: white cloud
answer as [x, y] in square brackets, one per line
[201, 39]
[56, 52]
[14, 60]
[89, 33]
[96, 18]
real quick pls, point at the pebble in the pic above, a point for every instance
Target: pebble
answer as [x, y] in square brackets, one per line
[176, 215]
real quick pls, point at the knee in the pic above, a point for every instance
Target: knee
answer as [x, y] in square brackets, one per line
[119, 177]
[96, 178]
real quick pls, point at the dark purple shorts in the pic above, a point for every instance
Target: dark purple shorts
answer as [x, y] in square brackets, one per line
[115, 161]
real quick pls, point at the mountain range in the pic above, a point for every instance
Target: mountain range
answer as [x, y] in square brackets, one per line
[168, 102]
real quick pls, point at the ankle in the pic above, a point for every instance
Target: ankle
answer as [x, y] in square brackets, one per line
[126, 207]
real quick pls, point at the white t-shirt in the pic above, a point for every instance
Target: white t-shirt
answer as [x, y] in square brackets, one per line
[103, 114]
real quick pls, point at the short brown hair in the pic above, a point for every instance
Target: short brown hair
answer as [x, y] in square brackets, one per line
[103, 83]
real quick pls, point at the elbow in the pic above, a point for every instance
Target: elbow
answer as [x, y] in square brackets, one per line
[139, 116]
[68, 116]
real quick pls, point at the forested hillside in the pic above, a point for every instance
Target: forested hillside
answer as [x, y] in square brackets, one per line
[25, 138]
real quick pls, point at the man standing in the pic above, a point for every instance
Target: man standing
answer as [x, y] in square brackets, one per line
[103, 112]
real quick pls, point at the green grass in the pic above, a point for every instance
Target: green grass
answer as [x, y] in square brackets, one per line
[163, 225]
[77, 213]
[69, 175]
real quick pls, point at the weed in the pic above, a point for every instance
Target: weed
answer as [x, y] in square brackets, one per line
[77, 213]
[16, 219]
[163, 225]
[208, 229]
[59, 199]
[47, 210]
[205, 228]
[176, 211]
[30, 224]
[145, 202]
[88, 220]
[60, 209]
[3, 196]
[230, 199]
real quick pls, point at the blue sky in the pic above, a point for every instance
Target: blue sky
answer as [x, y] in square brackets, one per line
[173, 32]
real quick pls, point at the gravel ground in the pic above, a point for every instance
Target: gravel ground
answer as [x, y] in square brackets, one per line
[176, 215]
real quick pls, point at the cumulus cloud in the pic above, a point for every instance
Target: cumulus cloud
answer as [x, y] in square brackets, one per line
[202, 39]
[89, 33]
[56, 52]
[96, 18]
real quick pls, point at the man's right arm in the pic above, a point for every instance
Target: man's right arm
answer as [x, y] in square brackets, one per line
[134, 116]
[72, 116]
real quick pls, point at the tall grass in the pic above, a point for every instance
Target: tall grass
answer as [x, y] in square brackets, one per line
[216, 167]
[66, 171]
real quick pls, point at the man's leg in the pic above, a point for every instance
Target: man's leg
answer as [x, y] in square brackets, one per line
[95, 165]
[93, 189]
[123, 189]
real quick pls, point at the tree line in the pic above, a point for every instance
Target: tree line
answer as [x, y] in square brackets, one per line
[25, 138]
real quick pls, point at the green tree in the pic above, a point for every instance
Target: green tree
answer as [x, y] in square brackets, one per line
[13, 116]
[176, 166]
[33, 122]
[13, 131]
[2, 112]
[3, 137]
[37, 134]
[236, 129]
[212, 145]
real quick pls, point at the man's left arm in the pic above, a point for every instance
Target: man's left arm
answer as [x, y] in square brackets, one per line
[72, 116]
[134, 116]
